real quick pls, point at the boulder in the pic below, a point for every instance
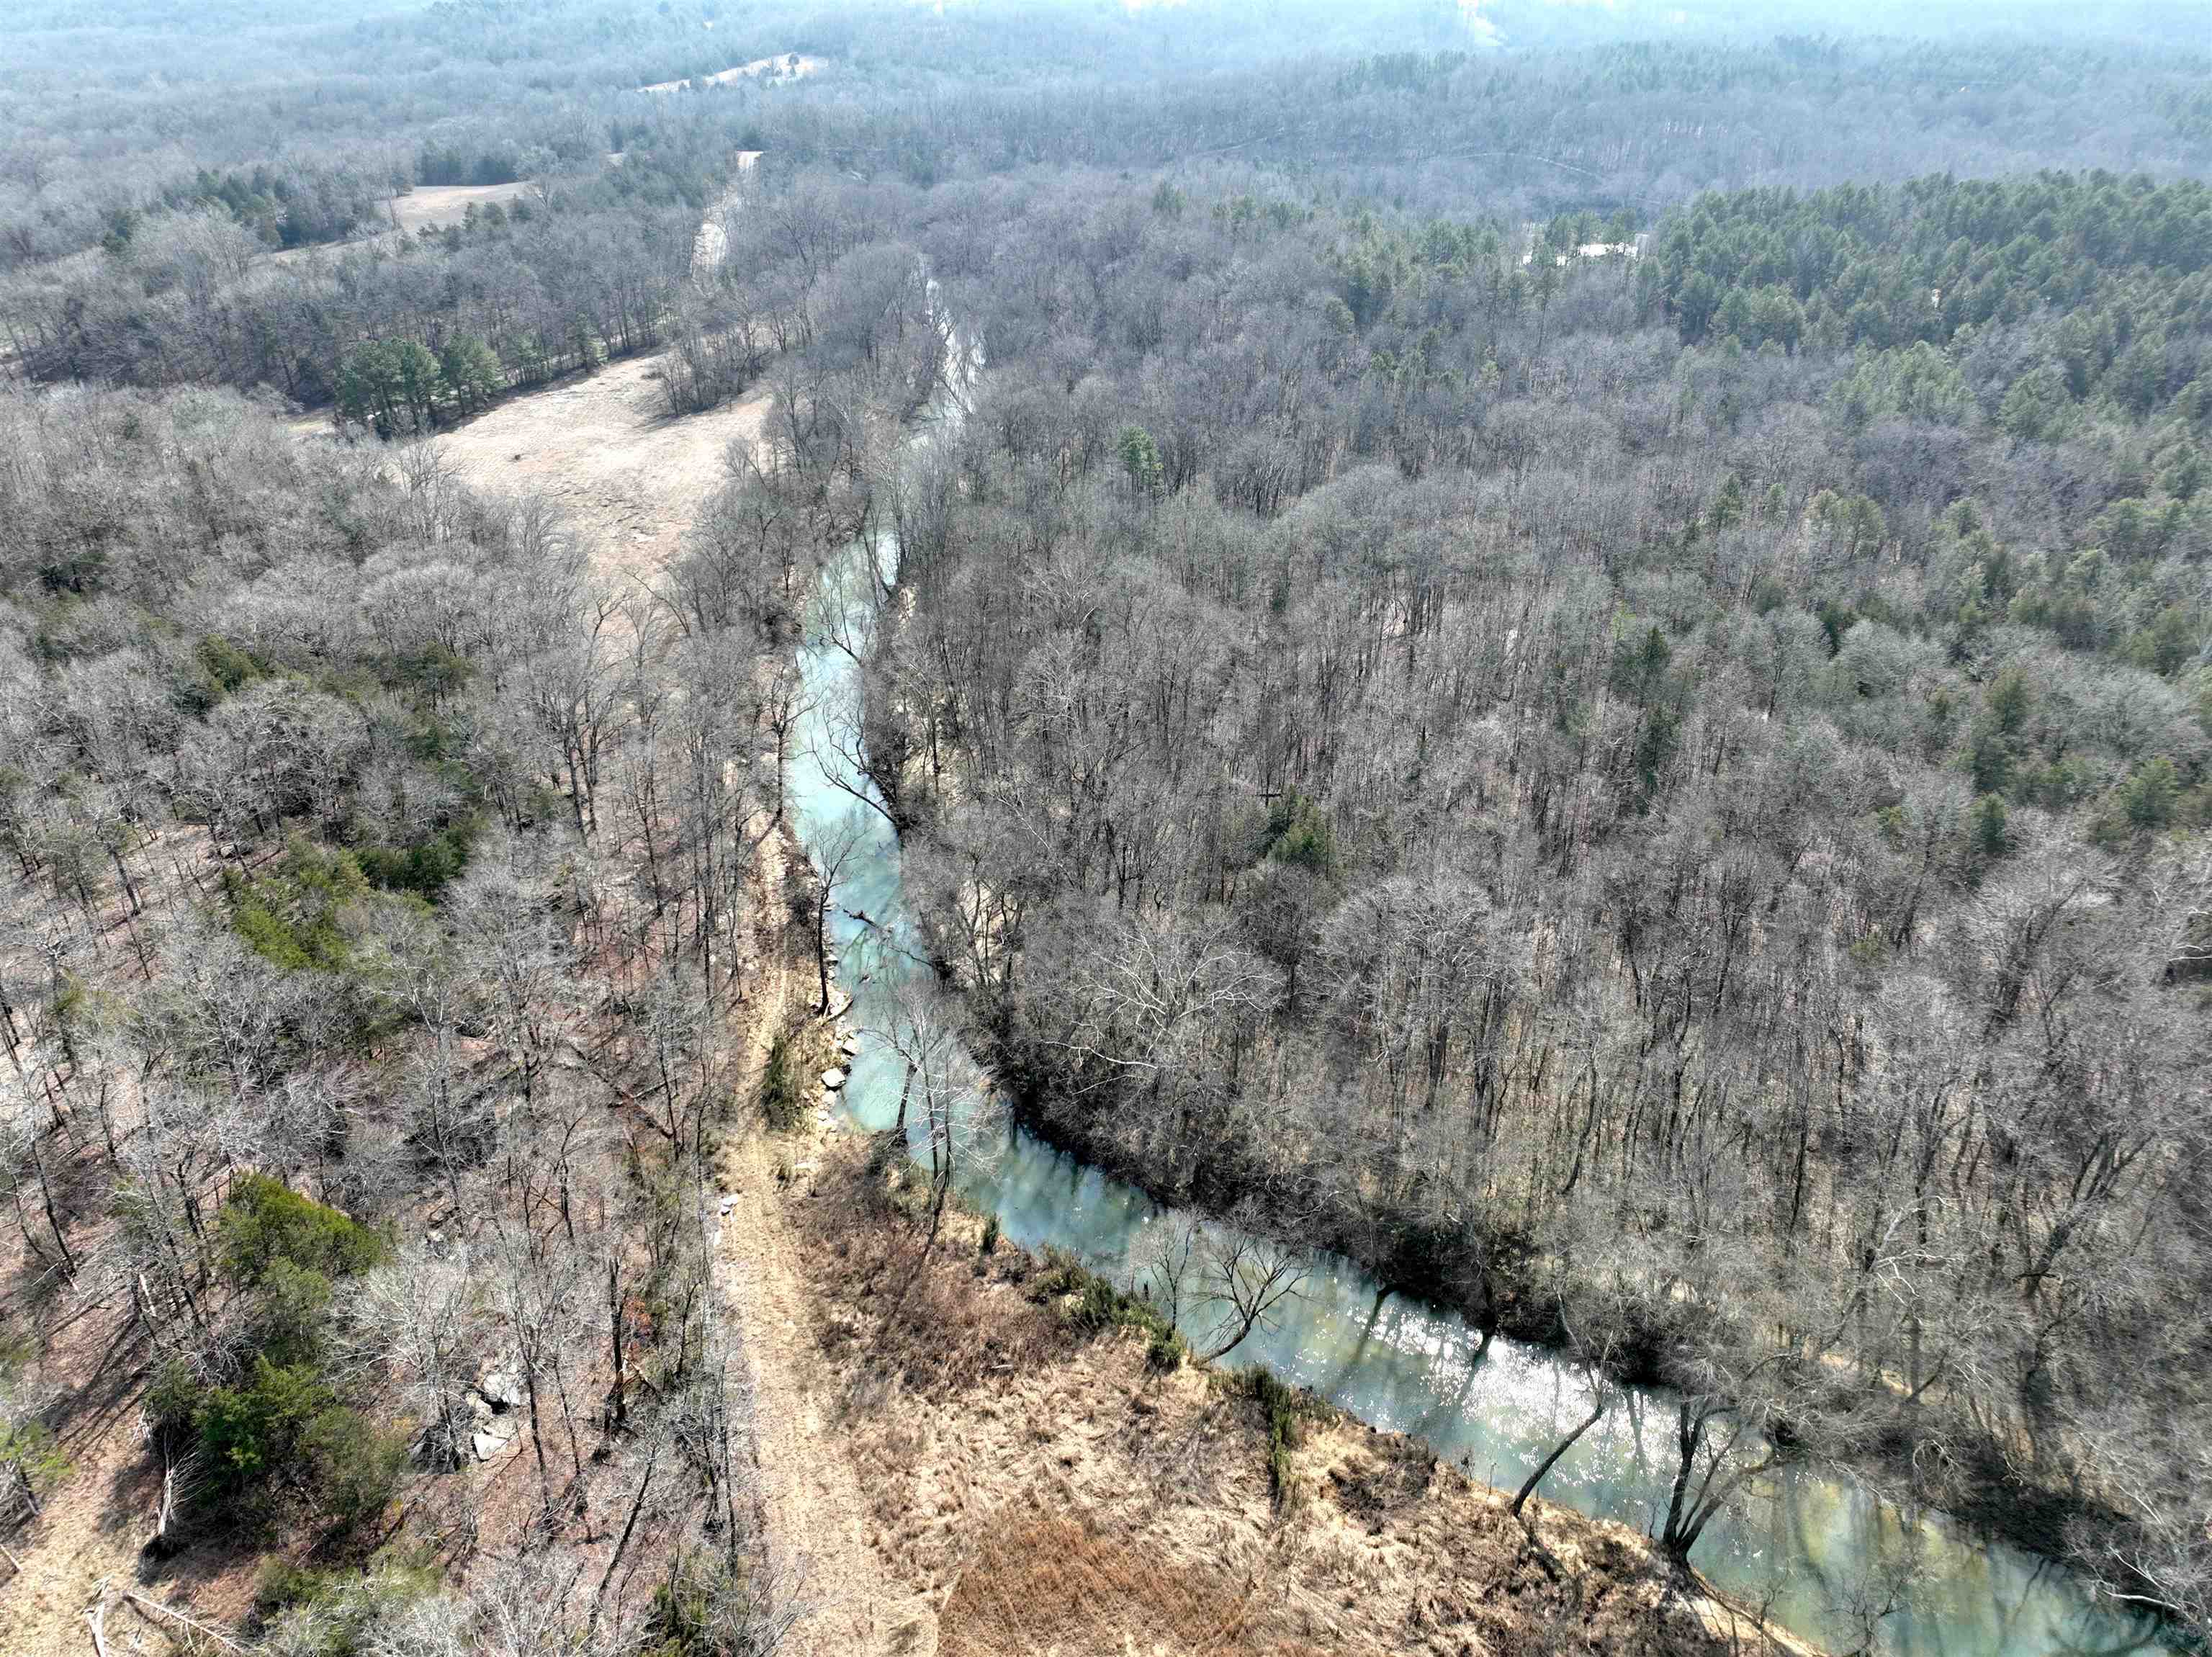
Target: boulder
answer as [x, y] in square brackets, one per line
[486, 1446]
[833, 1079]
[503, 1391]
[2191, 959]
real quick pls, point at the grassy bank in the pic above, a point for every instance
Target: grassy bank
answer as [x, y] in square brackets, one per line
[1048, 1471]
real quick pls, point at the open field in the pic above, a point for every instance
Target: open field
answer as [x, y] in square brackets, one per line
[447, 203]
[629, 477]
[791, 66]
[425, 207]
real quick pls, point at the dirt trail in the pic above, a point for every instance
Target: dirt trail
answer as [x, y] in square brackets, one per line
[812, 1494]
[813, 1501]
[635, 481]
[712, 244]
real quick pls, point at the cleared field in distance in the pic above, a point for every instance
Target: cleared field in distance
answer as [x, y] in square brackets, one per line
[447, 203]
[789, 67]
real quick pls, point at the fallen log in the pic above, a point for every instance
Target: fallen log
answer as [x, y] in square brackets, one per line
[150, 1609]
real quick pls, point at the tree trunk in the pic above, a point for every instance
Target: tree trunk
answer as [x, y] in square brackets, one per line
[1528, 1485]
[618, 1414]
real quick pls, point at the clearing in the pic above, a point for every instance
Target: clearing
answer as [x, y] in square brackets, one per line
[791, 66]
[629, 477]
[447, 203]
[430, 206]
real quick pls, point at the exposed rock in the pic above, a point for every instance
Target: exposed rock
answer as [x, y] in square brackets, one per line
[2192, 956]
[848, 1044]
[833, 1079]
[504, 1391]
[487, 1446]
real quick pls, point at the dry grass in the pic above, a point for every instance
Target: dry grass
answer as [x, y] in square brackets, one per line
[630, 478]
[1040, 1491]
[1055, 1585]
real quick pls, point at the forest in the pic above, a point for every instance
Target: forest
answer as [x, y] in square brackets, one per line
[1566, 654]
[1673, 788]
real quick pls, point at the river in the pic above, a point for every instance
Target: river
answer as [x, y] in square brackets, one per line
[1817, 1549]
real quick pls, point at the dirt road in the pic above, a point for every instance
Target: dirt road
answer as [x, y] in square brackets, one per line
[812, 1493]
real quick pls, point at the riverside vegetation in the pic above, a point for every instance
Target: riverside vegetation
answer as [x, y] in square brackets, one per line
[1573, 663]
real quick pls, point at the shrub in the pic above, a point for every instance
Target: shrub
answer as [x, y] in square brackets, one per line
[1098, 1305]
[1298, 834]
[425, 869]
[711, 1608]
[225, 664]
[292, 915]
[171, 1401]
[283, 1432]
[1165, 1351]
[250, 1433]
[31, 1462]
[353, 1466]
[1286, 1408]
[264, 1221]
[322, 1612]
[783, 1099]
[289, 1307]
